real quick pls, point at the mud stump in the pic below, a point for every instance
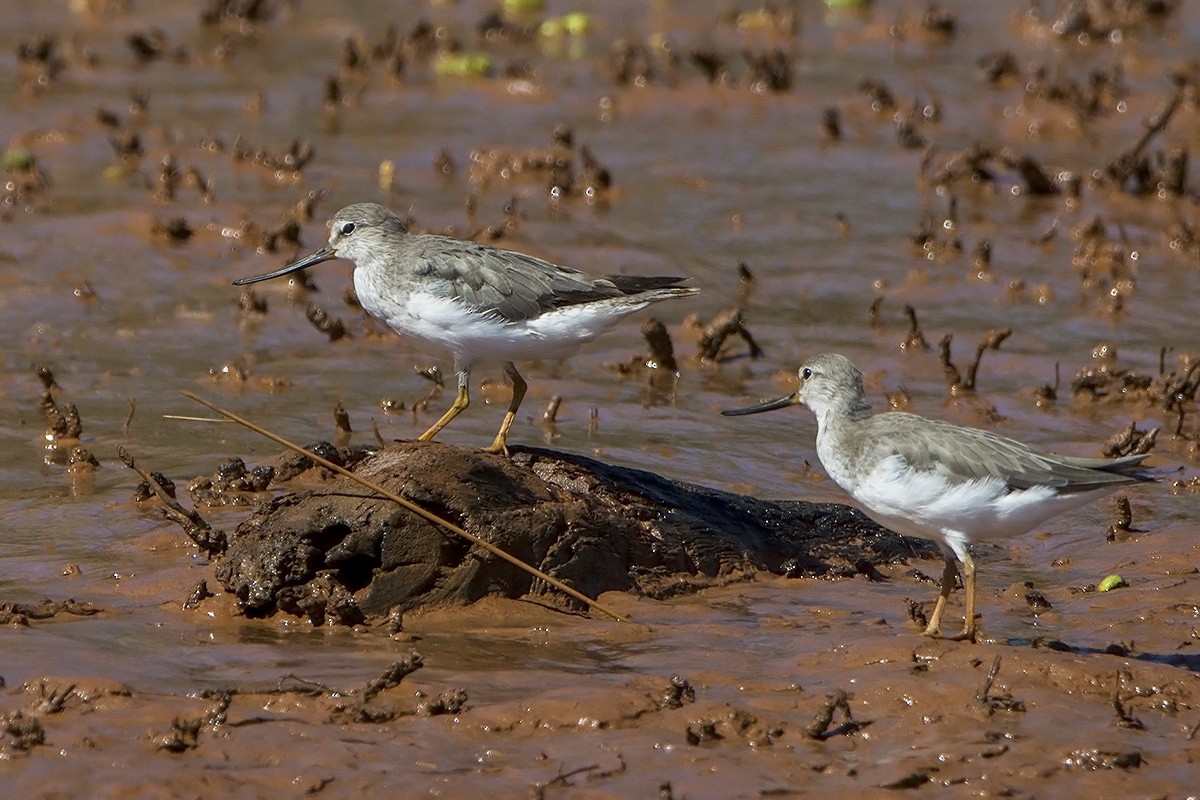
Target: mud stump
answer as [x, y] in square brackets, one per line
[339, 554]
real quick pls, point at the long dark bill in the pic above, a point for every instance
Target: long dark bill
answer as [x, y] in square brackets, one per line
[324, 254]
[770, 405]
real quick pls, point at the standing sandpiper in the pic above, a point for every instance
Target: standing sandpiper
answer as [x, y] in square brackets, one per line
[933, 480]
[475, 302]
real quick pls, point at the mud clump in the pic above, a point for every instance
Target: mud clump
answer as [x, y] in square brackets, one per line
[337, 554]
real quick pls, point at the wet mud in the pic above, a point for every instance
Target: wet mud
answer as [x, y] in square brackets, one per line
[840, 697]
[991, 208]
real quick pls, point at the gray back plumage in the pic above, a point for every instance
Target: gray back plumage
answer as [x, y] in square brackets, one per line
[971, 453]
[514, 285]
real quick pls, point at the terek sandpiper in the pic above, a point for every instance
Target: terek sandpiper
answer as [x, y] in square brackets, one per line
[950, 484]
[476, 302]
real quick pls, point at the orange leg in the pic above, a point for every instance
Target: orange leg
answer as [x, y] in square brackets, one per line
[460, 402]
[500, 445]
[949, 576]
[934, 628]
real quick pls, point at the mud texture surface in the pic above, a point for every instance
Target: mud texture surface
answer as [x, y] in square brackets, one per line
[333, 554]
[827, 696]
[991, 208]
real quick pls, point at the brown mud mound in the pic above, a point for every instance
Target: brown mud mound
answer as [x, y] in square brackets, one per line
[340, 554]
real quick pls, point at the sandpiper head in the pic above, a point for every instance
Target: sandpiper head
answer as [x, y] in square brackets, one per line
[830, 380]
[826, 380]
[360, 229]
[355, 233]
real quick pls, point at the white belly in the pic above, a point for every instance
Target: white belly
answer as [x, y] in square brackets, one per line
[443, 326]
[929, 504]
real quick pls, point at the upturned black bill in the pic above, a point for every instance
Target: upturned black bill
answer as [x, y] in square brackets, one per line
[324, 254]
[770, 405]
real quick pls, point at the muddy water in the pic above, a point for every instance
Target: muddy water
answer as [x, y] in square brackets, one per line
[704, 177]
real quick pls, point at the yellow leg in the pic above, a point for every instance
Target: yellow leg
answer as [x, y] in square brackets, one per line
[968, 631]
[949, 574]
[462, 401]
[500, 445]
[934, 628]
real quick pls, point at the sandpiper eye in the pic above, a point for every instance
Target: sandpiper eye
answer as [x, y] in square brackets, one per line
[806, 373]
[346, 229]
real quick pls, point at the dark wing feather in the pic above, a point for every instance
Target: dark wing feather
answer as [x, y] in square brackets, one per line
[636, 284]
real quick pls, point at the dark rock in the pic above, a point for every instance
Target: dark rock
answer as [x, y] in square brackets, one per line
[341, 554]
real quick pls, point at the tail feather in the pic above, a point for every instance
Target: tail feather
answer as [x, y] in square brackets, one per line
[636, 284]
[1112, 472]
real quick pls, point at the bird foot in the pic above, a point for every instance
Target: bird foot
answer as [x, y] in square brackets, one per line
[967, 634]
[498, 447]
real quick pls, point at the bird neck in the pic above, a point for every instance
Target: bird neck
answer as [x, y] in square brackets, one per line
[849, 409]
[837, 415]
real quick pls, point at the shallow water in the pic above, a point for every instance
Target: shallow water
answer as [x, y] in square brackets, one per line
[704, 178]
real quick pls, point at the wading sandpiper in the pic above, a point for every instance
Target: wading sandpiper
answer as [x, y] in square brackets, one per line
[475, 302]
[950, 484]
